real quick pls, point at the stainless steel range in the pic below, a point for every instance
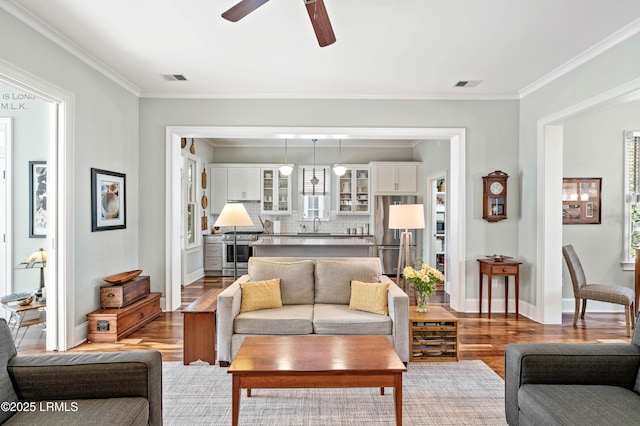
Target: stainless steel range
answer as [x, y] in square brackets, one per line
[245, 251]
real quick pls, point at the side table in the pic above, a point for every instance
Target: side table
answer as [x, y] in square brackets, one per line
[25, 316]
[507, 268]
[200, 329]
[433, 335]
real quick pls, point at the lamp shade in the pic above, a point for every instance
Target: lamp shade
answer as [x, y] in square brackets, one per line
[233, 214]
[406, 216]
[37, 259]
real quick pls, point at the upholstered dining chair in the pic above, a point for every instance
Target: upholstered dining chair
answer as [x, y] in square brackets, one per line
[602, 293]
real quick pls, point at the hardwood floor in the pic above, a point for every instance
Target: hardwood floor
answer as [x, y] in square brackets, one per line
[480, 338]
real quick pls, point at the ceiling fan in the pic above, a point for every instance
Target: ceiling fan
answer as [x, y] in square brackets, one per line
[315, 8]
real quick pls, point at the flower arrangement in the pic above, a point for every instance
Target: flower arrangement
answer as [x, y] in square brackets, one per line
[423, 281]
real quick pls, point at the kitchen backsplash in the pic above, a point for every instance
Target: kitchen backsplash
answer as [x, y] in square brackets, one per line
[289, 224]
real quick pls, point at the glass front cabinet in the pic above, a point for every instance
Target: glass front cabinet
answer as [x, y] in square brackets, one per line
[276, 192]
[354, 191]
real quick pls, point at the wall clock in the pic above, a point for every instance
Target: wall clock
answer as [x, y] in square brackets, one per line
[494, 196]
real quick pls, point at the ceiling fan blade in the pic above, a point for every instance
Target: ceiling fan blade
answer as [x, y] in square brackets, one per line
[242, 9]
[320, 21]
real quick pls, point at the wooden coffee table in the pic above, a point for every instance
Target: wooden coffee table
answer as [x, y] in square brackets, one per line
[316, 362]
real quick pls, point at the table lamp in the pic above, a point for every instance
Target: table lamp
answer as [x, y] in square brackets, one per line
[405, 216]
[37, 259]
[234, 214]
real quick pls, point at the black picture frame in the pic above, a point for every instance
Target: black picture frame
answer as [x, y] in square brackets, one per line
[581, 199]
[108, 200]
[37, 199]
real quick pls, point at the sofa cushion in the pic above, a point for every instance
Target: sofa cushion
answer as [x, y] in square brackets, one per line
[258, 295]
[334, 276]
[369, 297]
[290, 319]
[578, 404]
[110, 411]
[7, 351]
[340, 320]
[296, 278]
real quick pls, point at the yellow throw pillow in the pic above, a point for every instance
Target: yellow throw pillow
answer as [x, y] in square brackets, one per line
[369, 297]
[260, 295]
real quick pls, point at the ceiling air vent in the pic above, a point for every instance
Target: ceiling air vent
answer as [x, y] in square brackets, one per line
[175, 77]
[468, 83]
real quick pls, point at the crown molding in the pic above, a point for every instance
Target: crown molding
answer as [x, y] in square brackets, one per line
[599, 48]
[37, 24]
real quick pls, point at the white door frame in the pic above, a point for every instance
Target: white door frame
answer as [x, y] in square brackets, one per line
[59, 279]
[6, 197]
[457, 182]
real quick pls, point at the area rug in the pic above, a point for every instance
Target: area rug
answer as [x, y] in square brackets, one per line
[444, 393]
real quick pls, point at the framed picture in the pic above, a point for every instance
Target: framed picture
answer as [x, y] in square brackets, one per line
[581, 200]
[37, 199]
[108, 200]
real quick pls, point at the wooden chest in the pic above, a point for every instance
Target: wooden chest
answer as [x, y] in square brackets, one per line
[121, 295]
[113, 324]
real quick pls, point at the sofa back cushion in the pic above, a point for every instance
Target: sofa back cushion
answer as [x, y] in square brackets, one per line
[7, 351]
[334, 276]
[296, 278]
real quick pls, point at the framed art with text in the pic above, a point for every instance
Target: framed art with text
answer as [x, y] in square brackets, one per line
[37, 199]
[108, 200]
[581, 200]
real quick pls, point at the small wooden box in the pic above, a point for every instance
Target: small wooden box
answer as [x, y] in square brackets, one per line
[111, 325]
[121, 295]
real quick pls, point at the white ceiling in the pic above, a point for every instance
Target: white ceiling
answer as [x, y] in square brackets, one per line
[385, 49]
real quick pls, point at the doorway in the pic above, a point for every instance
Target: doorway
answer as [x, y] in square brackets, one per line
[456, 137]
[58, 149]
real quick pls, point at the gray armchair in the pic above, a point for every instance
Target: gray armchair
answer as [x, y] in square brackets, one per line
[116, 388]
[573, 383]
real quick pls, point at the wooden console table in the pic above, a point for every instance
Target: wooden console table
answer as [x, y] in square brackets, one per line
[507, 268]
[200, 329]
[112, 324]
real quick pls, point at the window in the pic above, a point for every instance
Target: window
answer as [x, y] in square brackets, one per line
[190, 196]
[314, 199]
[632, 196]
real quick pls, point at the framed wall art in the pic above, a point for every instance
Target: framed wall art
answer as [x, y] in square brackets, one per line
[108, 200]
[581, 200]
[37, 199]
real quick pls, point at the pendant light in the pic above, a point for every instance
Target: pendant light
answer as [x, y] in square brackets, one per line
[314, 179]
[339, 169]
[286, 168]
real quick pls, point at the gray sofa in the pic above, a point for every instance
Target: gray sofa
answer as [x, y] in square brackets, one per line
[315, 297]
[573, 383]
[117, 388]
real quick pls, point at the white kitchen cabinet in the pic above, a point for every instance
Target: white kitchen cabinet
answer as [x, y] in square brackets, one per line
[217, 188]
[396, 178]
[213, 253]
[243, 184]
[354, 191]
[276, 192]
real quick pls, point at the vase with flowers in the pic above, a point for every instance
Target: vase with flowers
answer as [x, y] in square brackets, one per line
[423, 280]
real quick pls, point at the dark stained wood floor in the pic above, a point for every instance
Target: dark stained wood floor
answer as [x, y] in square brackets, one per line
[480, 338]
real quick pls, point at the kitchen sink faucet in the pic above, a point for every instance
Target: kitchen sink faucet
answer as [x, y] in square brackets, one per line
[316, 228]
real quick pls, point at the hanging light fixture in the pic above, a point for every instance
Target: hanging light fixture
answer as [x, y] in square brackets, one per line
[339, 169]
[286, 168]
[314, 179]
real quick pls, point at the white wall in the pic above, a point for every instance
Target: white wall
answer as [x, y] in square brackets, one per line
[492, 143]
[106, 137]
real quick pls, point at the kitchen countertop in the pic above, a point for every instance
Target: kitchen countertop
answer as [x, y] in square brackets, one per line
[317, 235]
[305, 241]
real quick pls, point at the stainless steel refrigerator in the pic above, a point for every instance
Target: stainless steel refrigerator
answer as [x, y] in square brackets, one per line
[388, 240]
